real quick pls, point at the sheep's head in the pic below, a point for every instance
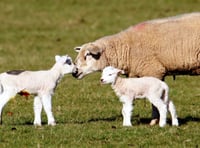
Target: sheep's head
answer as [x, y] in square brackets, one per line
[66, 63]
[110, 74]
[89, 59]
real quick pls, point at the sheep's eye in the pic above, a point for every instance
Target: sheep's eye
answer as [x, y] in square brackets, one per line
[68, 61]
[86, 55]
[110, 74]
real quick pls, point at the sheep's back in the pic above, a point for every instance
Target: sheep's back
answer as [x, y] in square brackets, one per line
[156, 48]
[174, 42]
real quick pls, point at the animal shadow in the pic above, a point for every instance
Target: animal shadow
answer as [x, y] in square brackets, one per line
[182, 121]
[136, 119]
[106, 119]
[187, 119]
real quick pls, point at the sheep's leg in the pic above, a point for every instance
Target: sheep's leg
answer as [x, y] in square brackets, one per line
[46, 101]
[37, 110]
[172, 111]
[126, 110]
[4, 98]
[162, 108]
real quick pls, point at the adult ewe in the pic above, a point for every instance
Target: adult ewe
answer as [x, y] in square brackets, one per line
[169, 46]
[40, 83]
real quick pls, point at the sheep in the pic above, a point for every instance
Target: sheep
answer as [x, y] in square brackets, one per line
[153, 48]
[42, 84]
[161, 47]
[128, 89]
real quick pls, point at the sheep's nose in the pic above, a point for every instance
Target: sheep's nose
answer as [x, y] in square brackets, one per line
[75, 72]
[101, 80]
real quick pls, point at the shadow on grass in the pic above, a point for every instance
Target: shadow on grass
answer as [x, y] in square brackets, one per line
[187, 119]
[135, 120]
[182, 121]
[138, 120]
[108, 119]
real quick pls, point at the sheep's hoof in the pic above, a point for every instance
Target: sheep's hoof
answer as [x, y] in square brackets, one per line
[153, 122]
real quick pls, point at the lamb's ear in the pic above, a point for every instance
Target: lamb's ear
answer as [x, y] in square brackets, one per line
[77, 49]
[57, 58]
[122, 72]
[95, 51]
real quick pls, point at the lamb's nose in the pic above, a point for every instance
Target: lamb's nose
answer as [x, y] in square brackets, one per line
[101, 80]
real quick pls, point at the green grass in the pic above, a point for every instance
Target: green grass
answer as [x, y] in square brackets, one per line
[88, 115]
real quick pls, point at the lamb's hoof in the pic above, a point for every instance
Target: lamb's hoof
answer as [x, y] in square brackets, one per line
[37, 124]
[175, 122]
[52, 123]
[162, 124]
[154, 122]
[127, 125]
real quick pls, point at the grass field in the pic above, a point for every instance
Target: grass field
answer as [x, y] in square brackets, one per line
[88, 115]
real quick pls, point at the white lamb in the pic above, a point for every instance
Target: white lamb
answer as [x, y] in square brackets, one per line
[42, 84]
[128, 89]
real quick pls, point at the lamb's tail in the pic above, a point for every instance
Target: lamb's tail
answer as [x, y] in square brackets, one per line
[165, 93]
[1, 88]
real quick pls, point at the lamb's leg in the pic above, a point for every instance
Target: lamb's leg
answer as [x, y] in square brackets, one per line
[46, 101]
[37, 110]
[4, 98]
[172, 111]
[162, 108]
[126, 110]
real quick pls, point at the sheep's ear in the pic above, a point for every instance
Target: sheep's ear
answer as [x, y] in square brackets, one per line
[77, 49]
[95, 51]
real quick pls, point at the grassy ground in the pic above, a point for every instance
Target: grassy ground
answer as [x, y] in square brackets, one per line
[88, 115]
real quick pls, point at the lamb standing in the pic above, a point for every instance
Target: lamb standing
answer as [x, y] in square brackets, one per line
[129, 89]
[40, 83]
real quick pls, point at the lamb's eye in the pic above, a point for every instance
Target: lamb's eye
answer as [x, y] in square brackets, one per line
[110, 74]
[68, 61]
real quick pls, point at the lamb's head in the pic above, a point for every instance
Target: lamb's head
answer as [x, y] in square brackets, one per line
[110, 74]
[89, 59]
[65, 63]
